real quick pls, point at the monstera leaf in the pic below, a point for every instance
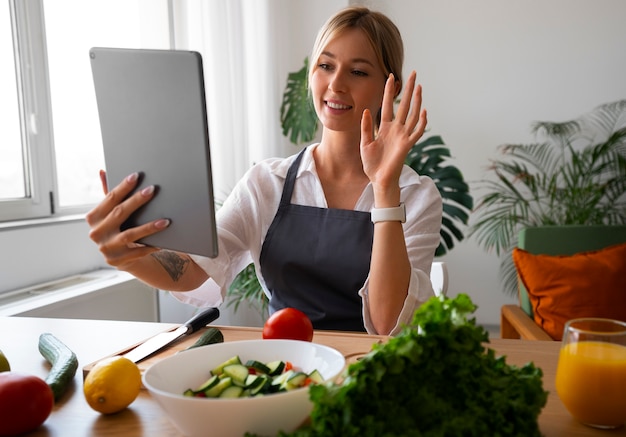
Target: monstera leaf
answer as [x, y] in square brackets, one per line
[428, 158]
[297, 114]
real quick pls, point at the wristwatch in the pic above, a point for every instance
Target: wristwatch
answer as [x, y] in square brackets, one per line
[395, 214]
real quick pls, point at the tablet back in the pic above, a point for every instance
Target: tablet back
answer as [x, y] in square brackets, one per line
[152, 111]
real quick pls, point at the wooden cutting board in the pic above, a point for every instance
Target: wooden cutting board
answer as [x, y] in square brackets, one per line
[351, 345]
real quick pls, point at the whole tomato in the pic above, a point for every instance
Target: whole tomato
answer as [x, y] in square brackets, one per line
[288, 323]
[25, 403]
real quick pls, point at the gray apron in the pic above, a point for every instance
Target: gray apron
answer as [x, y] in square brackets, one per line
[317, 259]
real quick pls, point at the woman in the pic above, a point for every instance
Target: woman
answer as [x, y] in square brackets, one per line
[325, 228]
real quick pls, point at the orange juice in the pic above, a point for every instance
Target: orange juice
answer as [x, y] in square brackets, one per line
[591, 382]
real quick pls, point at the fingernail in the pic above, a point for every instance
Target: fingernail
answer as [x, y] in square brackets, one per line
[148, 190]
[132, 177]
[163, 223]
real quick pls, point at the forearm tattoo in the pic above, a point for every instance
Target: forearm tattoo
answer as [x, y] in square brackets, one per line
[174, 264]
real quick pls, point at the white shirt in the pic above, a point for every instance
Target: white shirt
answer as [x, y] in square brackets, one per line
[247, 213]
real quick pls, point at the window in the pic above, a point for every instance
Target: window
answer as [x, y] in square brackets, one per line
[50, 149]
[11, 163]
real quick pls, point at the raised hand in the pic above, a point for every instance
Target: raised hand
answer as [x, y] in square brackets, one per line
[384, 154]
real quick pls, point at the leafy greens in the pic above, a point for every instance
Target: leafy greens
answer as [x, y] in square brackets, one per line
[434, 379]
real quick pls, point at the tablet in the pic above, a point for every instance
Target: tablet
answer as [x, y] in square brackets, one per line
[153, 119]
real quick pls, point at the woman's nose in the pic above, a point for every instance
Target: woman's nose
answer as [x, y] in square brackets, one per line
[337, 83]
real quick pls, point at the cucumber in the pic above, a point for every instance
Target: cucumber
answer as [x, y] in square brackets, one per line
[261, 384]
[258, 366]
[295, 380]
[211, 382]
[220, 367]
[218, 388]
[254, 381]
[63, 361]
[237, 372]
[234, 391]
[275, 367]
[210, 336]
[283, 377]
[316, 377]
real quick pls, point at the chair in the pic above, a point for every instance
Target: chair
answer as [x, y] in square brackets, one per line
[516, 321]
[439, 278]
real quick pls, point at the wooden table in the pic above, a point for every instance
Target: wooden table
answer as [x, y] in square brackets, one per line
[92, 340]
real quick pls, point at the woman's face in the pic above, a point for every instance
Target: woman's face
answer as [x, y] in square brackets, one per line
[346, 80]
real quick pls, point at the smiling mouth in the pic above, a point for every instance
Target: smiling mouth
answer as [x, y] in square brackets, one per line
[333, 105]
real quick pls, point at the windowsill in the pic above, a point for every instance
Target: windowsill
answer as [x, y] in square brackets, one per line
[47, 221]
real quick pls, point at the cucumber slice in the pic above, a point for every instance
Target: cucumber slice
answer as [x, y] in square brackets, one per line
[296, 380]
[280, 379]
[220, 367]
[218, 388]
[275, 367]
[263, 385]
[234, 391]
[238, 373]
[258, 366]
[316, 377]
[212, 381]
[253, 381]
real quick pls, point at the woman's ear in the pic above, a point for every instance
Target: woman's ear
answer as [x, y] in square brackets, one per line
[397, 88]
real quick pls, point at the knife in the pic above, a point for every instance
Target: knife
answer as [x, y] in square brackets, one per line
[163, 339]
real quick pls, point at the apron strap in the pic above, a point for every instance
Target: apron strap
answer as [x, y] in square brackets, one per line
[290, 180]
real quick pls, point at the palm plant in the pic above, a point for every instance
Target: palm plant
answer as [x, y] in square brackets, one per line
[577, 175]
[428, 157]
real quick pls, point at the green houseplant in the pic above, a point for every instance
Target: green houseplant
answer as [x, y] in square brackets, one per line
[428, 157]
[575, 175]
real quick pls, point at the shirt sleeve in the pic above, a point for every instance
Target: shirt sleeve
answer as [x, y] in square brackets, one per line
[424, 210]
[242, 222]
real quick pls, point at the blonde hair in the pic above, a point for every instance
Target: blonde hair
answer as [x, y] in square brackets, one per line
[381, 32]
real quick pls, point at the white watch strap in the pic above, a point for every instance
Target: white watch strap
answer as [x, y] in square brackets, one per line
[396, 214]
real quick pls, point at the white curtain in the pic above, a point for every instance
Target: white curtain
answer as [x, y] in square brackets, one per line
[243, 93]
[248, 49]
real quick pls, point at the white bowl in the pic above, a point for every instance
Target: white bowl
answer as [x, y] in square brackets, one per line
[266, 415]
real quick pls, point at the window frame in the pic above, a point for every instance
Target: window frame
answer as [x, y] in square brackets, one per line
[27, 22]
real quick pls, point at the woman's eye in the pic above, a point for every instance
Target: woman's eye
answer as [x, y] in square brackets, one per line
[324, 66]
[359, 73]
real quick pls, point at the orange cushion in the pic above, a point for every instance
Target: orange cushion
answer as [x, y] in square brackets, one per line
[586, 284]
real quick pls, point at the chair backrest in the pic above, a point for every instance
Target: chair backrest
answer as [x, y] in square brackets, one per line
[439, 278]
[565, 240]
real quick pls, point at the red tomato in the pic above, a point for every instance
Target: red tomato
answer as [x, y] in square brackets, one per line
[288, 323]
[25, 403]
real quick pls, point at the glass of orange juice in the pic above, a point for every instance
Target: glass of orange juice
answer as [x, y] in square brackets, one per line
[591, 372]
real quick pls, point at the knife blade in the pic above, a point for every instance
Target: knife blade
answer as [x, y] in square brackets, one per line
[163, 339]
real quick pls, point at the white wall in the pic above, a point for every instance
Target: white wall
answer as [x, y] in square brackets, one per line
[489, 69]
[39, 253]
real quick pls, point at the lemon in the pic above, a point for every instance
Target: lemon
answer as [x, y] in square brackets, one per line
[112, 385]
[4, 363]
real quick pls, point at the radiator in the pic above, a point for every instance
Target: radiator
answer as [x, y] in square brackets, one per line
[101, 294]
